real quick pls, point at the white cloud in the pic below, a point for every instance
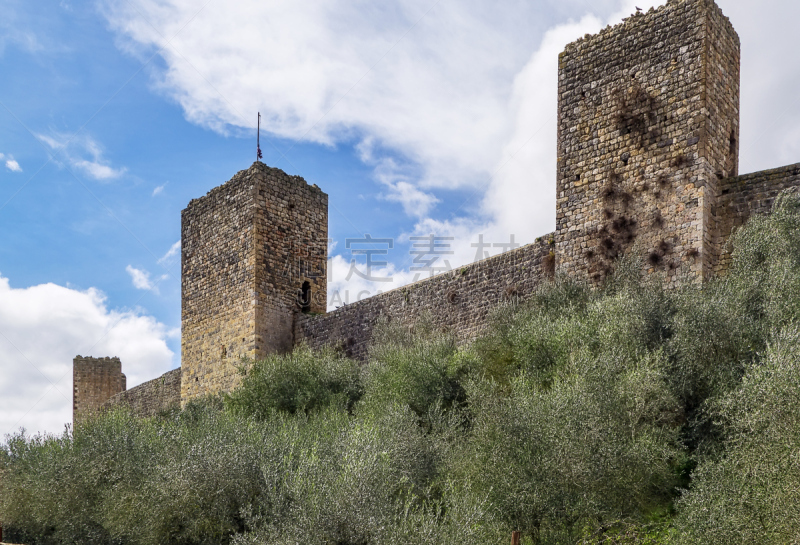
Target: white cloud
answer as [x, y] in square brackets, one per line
[97, 170]
[15, 31]
[459, 97]
[521, 196]
[142, 281]
[82, 152]
[344, 291]
[401, 189]
[43, 327]
[430, 81]
[11, 164]
[159, 190]
[169, 257]
[448, 91]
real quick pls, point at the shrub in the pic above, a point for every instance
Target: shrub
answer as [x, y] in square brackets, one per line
[597, 444]
[302, 381]
[419, 368]
[750, 493]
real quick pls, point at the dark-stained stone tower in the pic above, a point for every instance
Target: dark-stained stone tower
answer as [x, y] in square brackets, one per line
[254, 254]
[648, 127]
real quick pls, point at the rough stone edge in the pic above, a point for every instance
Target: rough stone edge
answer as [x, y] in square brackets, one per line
[129, 397]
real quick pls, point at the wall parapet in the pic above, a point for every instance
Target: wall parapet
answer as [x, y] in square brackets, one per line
[744, 196]
[151, 397]
[461, 300]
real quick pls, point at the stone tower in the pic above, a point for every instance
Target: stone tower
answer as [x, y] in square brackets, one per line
[648, 126]
[254, 254]
[94, 381]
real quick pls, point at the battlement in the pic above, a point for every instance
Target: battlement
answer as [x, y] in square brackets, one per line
[94, 381]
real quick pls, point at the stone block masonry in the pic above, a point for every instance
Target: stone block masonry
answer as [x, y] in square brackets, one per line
[648, 144]
[254, 253]
[151, 397]
[648, 124]
[459, 301]
[94, 381]
[744, 196]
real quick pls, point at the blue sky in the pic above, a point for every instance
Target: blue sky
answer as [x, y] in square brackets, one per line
[416, 117]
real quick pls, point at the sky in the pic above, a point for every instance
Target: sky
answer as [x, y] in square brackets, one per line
[417, 117]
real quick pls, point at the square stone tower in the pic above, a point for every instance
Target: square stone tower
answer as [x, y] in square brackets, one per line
[648, 125]
[94, 381]
[253, 255]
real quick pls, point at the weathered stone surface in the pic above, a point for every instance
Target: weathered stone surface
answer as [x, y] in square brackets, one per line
[648, 121]
[459, 301]
[94, 381]
[248, 247]
[151, 397]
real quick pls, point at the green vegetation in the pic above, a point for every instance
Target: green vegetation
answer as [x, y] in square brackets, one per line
[627, 415]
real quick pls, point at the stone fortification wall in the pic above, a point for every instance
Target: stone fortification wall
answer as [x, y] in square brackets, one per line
[648, 119]
[151, 397]
[250, 247]
[460, 300]
[744, 196]
[94, 381]
[648, 132]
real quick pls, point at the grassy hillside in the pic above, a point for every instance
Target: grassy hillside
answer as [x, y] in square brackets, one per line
[621, 415]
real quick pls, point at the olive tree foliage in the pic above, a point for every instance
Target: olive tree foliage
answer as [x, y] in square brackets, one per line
[416, 366]
[619, 414]
[209, 476]
[302, 381]
[750, 493]
[722, 328]
[746, 491]
[574, 423]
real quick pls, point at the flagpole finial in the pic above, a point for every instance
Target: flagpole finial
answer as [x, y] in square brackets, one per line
[258, 139]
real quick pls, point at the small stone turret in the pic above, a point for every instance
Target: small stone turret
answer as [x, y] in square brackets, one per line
[94, 381]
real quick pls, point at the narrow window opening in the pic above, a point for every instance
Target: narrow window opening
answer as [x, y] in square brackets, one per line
[732, 154]
[305, 297]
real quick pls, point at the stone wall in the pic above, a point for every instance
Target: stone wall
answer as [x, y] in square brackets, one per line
[248, 249]
[460, 300]
[94, 381]
[151, 397]
[648, 131]
[744, 196]
[648, 118]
